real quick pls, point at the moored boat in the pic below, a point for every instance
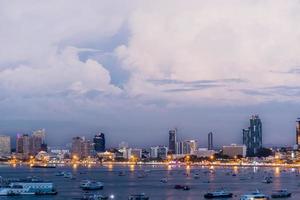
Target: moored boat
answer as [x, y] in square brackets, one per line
[28, 187]
[43, 166]
[94, 197]
[138, 197]
[182, 187]
[255, 195]
[218, 194]
[91, 185]
[281, 194]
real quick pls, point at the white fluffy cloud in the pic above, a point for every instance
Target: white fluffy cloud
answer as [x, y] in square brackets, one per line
[255, 42]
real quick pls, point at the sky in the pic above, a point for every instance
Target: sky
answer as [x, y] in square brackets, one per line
[134, 69]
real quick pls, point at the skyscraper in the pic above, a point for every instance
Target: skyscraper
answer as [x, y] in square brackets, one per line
[99, 142]
[210, 141]
[23, 145]
[252, 137]
[41, 133]
[298, 131]
[5, 148]
[172, 141]
[76, 146]
[35, 144]
[86, 147]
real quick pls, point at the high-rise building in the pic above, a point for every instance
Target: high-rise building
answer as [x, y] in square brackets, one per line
[252, 137]
[159, 152]
[210, 141]
[35, 144]
[172, 141]
[234, 150]
[86, 148]
[76, 146]
[179, 147]
[189, 146]
[99, 142]
[137, 153]
[298, 131]
[5, 148]
[23, 145]
[186, 147]
[41, 133]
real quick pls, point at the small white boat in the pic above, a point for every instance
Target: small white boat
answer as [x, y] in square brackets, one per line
[255, 196]
[164, 180]
[267, 180]
[91, 185]
[68, 175]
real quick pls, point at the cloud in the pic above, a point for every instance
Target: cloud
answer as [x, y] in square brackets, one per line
[211, 40]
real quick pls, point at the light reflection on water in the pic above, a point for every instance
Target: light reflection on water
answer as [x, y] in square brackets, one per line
[211, 178]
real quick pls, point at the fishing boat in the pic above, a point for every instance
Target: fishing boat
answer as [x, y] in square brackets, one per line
[218, 194]
[283, 193]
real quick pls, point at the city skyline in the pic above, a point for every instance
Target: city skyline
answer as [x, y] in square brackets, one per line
[134, 71]
[251, 137]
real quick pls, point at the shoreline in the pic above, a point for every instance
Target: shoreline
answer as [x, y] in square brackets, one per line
[58, 165]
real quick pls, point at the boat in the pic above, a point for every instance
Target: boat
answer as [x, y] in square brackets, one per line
[255, 195]
[60, 173]
[28, 187]
[138, 197]
[68, 175]
[196, 176]
[94, 197]
[283, 193]
[91, 185]
[218, 194]
[164, 180]
[182, 187]
[267, 180]
[142, 175]
[43, 166]
[122, 173]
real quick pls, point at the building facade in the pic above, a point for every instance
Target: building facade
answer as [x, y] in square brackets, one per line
[235, 150]
[76, 146]
[99, 142]
[252, 137]
[5, 145]
[172, 141]
[137, 153]
[298, 131]
[160, 152]
[23, 145]
[210, 145]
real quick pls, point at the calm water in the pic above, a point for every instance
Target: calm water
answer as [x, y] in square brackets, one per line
[247, 179]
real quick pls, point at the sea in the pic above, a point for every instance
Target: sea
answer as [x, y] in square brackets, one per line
[146, 179]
